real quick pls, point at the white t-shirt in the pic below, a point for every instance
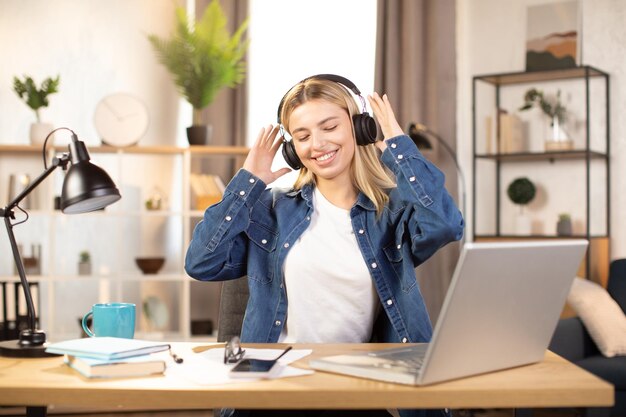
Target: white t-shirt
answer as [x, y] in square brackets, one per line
[330, 293]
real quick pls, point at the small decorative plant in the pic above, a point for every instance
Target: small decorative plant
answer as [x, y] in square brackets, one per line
[84, 256]
[521, 191]
[84, 263]
[35, 97]
[553, 109]
[202, 56]
[565, 217]
[564, 225]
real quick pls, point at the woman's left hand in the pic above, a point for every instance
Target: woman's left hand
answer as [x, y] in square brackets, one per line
[386, 118]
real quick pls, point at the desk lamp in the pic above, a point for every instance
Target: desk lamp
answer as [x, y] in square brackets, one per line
[86, 188]
[419, 134]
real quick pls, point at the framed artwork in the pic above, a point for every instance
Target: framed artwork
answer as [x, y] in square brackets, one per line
[552, 36]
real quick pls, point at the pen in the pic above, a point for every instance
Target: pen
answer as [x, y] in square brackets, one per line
[283, 353]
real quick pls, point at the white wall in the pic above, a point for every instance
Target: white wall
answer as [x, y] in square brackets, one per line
[97, 47]
[491, 37]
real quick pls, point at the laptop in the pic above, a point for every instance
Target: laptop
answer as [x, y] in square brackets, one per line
[500, 311]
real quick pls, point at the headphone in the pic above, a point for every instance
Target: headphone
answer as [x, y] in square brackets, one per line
[364, 125]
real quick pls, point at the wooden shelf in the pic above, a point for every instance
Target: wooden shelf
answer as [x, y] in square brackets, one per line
[167, 150]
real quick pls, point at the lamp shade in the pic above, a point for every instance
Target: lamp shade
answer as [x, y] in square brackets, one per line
[87, 188]
[418, 135]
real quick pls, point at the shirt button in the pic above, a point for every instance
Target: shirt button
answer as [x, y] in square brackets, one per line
[308, 217]
[412, 179]
[389, 302]
[251, 180]
[264, 241]
[400, 156]
[286, 245]
[404, 340]
[399, 246]
[374, 265]
[394, 146]
[242, 192]
[361, 231]
[228, 218]
[277, 322]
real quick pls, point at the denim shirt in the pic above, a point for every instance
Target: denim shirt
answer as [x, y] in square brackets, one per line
[251, 230]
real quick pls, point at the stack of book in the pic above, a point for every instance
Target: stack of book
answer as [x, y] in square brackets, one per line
[110, 357]
[208, 189]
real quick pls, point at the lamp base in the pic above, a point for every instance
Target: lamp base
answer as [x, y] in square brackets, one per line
[31, 344]
[13, 349]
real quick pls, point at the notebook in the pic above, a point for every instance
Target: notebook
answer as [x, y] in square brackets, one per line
[500, 311]
[128, 367]
[106, 348]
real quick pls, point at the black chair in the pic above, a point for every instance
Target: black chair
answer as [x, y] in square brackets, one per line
[233, 301]
[572, 341]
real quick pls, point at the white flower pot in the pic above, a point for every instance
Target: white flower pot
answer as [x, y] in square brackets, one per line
[39, 131]
[523, 225]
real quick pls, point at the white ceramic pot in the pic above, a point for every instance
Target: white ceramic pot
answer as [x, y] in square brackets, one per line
[523, 225]
[39, 131]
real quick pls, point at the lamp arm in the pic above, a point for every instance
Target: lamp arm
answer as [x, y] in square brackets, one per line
[61, 161]
[32, 337]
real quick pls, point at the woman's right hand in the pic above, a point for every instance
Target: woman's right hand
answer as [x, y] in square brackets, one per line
[261, 155]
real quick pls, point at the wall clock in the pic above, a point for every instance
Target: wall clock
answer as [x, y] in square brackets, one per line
[121, 119]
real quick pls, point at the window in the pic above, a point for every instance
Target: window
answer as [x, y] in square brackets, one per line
[290, 40]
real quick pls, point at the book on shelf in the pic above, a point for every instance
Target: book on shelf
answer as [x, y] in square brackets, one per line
[511, 133]
[130, 367]
[207, 188]
[106, 348]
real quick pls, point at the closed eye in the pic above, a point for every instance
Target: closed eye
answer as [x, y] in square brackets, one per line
[330, 128]
[302, 138]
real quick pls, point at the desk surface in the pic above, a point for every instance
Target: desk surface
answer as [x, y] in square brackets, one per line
[554, 382]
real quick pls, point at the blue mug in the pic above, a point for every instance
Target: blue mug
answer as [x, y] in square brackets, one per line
[111, 319]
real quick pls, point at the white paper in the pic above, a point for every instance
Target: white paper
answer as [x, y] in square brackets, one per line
[208, 368]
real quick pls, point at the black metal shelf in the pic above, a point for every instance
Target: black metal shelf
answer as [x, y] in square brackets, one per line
[543, 156]
[583, 156]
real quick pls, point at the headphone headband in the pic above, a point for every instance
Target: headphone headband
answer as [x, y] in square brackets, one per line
[330, 77]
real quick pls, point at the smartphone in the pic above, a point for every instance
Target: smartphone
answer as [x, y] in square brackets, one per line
[254, 368]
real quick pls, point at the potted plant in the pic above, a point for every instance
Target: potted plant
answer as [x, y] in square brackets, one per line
[36, 98]
[557, 138]
[522, 191]
[84, 263]
[202, 57]
[564, 225]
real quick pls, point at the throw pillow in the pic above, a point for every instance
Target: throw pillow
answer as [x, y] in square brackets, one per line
[602, 316]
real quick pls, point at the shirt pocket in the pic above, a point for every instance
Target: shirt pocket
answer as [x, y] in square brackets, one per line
[263, 247]
[404, 273]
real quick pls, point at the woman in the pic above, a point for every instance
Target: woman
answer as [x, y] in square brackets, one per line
[342, 244]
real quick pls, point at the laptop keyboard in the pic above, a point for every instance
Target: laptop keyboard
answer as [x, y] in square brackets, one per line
[408, 357]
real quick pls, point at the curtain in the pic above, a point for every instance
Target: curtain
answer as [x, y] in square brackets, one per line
[416, 68]
[227, 115]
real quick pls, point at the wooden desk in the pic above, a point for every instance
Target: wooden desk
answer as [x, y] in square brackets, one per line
[553, 382]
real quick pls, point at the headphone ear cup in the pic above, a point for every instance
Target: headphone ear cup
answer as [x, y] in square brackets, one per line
[290, 155]
[365, 129]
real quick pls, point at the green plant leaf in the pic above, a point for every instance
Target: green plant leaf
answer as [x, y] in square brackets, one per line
[34, 97]
[203, 57]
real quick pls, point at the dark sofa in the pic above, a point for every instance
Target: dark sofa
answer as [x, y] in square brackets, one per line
[572, 341]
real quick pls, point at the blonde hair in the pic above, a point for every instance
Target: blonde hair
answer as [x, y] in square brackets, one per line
[369, 176]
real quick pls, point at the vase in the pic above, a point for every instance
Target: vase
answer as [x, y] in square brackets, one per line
[84, 268]
[39, 131]
[557, 138]
[199, 134]
[564, 227]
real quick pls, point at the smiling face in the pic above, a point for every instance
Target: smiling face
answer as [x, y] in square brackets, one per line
[322, 135]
